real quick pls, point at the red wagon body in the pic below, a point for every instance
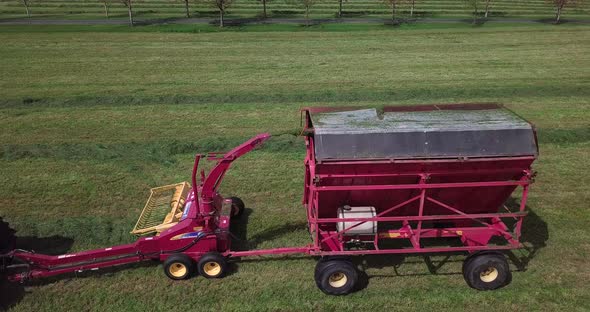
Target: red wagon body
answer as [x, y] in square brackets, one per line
[417, 197]
[416, 179]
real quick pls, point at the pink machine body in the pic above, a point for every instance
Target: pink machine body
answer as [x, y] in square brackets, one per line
[418, 204]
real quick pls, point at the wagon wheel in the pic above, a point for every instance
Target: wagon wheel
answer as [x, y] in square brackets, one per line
[487, 271]
[7, 237]
[336, 277]
[324, 261]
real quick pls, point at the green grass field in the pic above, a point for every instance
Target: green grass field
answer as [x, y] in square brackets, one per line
[93, 9]
[92, 117]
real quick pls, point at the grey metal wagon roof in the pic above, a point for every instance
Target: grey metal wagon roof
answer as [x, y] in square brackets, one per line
[363, 133]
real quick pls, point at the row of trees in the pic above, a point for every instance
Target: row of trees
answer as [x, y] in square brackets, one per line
[222, 5]
[557, 4]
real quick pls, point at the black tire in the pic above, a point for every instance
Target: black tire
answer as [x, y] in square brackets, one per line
[7, 237]
[179, 267]
[475, 255]
[326, 260]
[336, 277]
[487, 271]
[212, 265]
[237, 207]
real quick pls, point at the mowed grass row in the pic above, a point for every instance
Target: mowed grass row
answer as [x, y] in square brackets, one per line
[285, 8]
[409, 64]
[90, 121]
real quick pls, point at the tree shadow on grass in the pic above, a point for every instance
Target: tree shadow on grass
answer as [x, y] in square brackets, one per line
[206, 13]
[551, 21]
[477, 22]
[283, 13]
[157, 21]
[236, 22]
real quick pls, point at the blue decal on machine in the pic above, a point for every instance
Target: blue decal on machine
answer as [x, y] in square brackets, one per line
[187, 208]
[188, 235]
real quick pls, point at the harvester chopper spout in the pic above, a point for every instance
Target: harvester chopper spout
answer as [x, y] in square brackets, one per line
[211, 182]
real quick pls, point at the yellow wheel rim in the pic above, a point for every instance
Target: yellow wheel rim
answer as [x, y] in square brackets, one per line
[212, 268]
[177, 269]
[337, 279]
[489, 275]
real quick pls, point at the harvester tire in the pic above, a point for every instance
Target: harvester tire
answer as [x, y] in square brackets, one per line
[179, 267]
[237, 207]
[7, 237]
[212, 265]
[487, 271]
[336, 277]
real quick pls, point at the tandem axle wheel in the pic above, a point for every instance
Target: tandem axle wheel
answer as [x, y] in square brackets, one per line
[482, 271]
[486, 271]
[180, 266]
[336, 276]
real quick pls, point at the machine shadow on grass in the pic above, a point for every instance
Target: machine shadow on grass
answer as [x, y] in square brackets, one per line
[12, 293]
[534, 237]
[241, 240]
[535, 234]
[239, 229]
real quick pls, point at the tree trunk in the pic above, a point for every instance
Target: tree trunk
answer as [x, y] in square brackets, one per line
[130, 11]
[393, 13]
[188, 12]
[475, 12]
[106, 9]
[340, 8]
[412, 8]
[26, 4]
[487, 8]
[264, 8]
[221, 18]
[558, 15]
[307, 15]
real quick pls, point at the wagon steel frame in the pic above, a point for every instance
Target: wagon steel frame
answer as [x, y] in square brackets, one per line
[475, 238]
